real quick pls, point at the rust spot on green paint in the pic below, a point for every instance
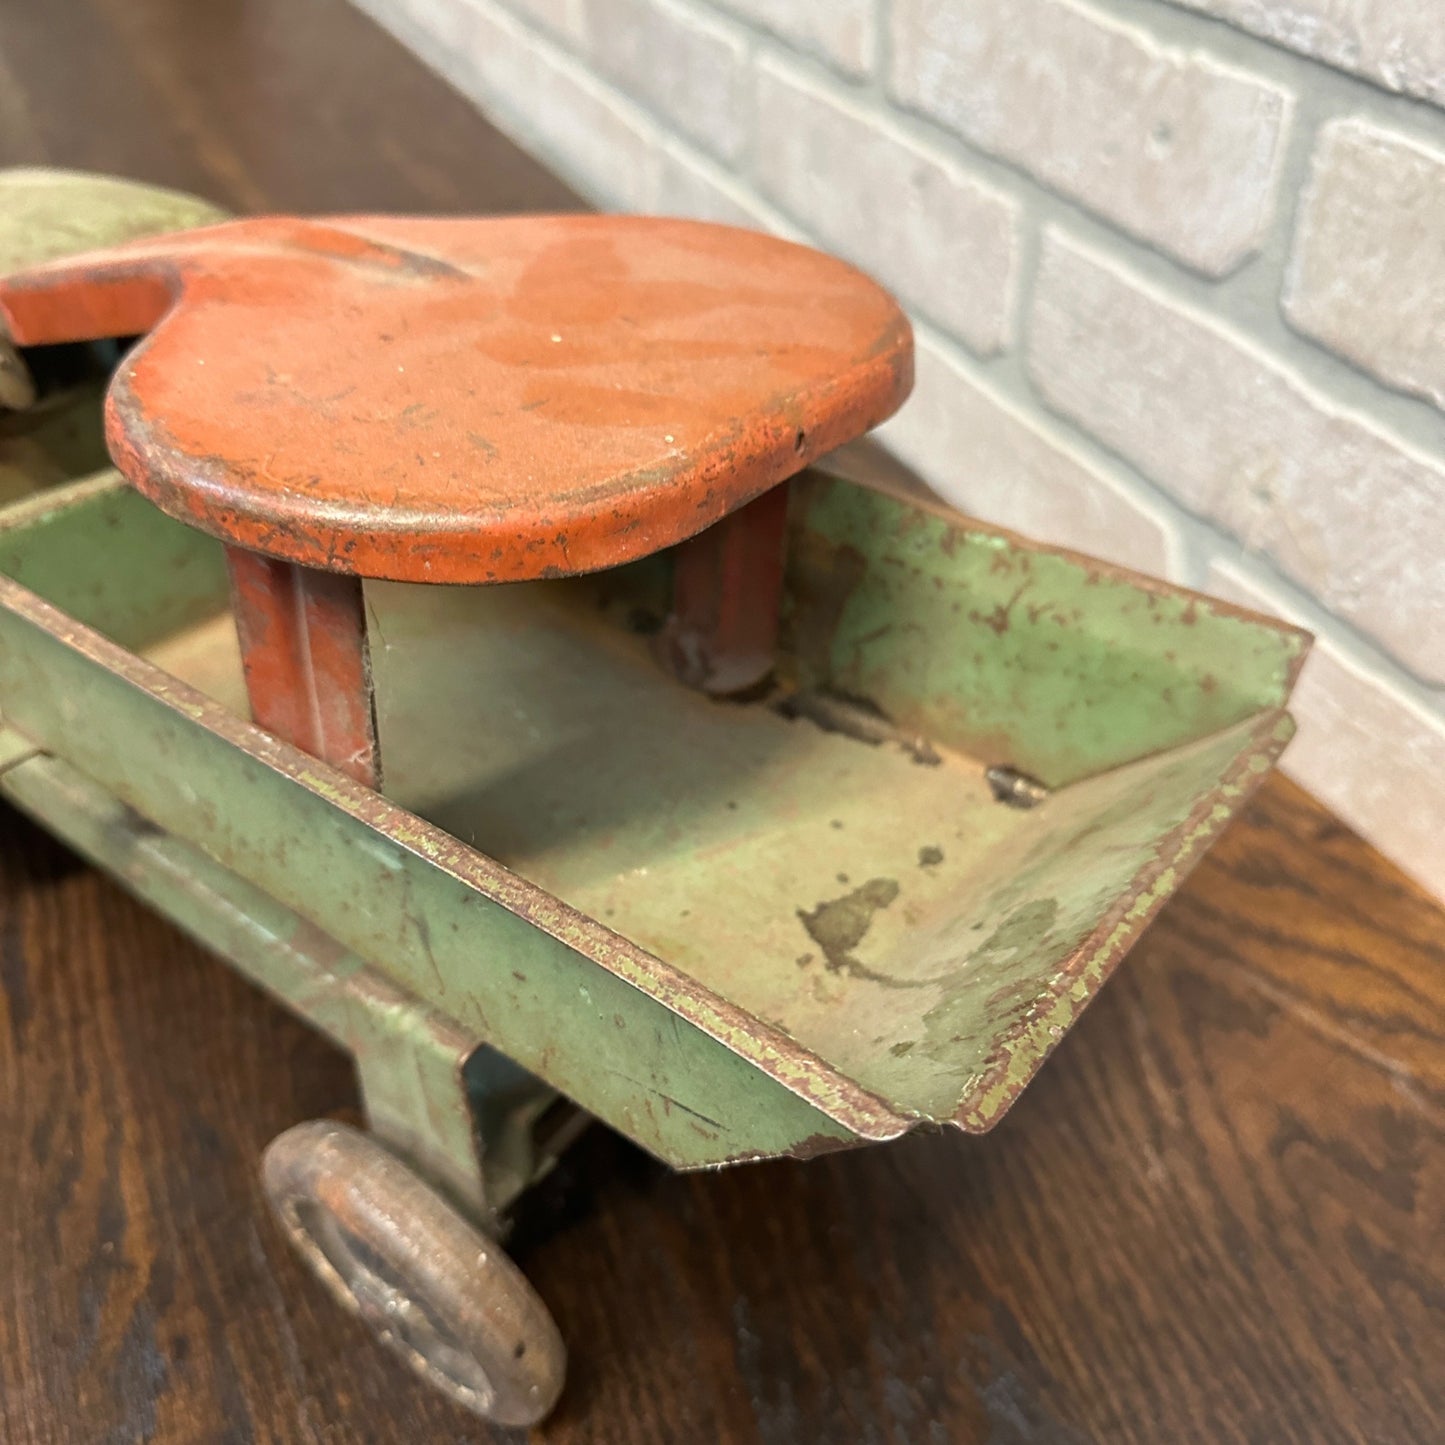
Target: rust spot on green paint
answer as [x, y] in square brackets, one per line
[839, 926]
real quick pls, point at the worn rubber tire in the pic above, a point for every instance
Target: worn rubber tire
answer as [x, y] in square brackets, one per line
[430, 1286]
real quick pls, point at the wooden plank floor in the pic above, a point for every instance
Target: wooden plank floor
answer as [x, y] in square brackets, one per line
[1218, 1216]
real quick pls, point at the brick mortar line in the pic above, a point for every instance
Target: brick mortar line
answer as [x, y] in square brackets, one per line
[1231, 297]
[1248, 297]
[779, 222]
[997, 377]
[1217, 36]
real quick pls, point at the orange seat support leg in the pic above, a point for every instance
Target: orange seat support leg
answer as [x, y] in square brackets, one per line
[727, 590]
[307, 659]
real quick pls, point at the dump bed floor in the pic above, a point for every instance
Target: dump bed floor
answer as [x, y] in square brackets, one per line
[860, 891]
[783, 864]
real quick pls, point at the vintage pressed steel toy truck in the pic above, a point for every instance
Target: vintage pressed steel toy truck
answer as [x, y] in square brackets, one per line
[652, 774]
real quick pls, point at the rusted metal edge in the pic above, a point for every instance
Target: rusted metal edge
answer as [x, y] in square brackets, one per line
[297, 528]
[766, 1048]
[1028, 1044]
[842, 466]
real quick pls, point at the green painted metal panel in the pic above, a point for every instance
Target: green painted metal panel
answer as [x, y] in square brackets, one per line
[1015, 653]
[855, 933]
[687, 1076]
[852, 894]
[55, 441]
[969, 1004]
[107, 558]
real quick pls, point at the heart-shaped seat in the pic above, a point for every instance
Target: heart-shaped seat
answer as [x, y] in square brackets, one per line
[471, 401]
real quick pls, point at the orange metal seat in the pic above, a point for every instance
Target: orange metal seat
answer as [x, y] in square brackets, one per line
[469, 401]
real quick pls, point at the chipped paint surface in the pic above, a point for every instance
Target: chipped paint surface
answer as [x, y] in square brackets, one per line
[680, 912]
[471, 400]
[307, 660]
[841, 924]
[1239, 760]
[1053, 664]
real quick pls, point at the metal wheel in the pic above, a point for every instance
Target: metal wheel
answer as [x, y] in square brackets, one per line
[431, 1287]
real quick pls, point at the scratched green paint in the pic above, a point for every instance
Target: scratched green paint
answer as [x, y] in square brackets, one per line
[675, 1073]
[54, 442]
[1012, 653]
[984, 991]
[1038, 1032]
[977, 985]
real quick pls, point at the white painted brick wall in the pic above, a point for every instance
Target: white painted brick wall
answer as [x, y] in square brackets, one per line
[889, 205]
[1178, 268]
[1172, 146]
[1367, 748]
[600, 139]
[565, 18]
[1367, 274]
[841, 32]
[689, 184]
[1399, 44]
[983, 452]
[1332, 500]
[682, 64]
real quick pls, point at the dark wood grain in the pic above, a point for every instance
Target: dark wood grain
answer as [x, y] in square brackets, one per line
[1218, 1216]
